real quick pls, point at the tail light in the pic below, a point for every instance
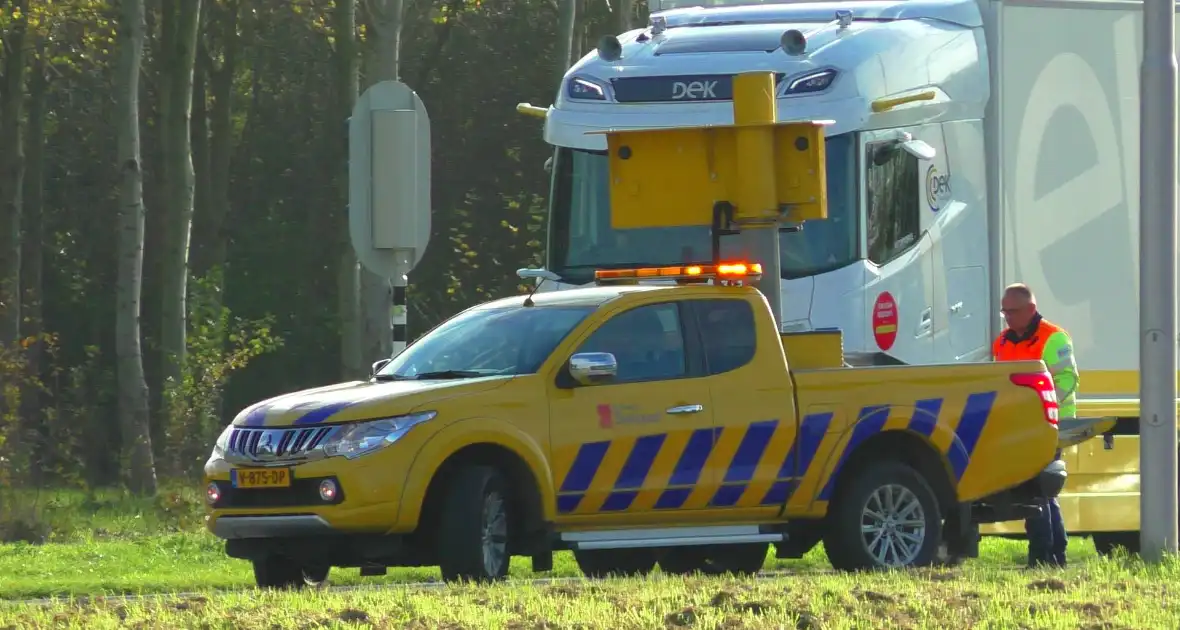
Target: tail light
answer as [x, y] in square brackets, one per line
[1042, 382]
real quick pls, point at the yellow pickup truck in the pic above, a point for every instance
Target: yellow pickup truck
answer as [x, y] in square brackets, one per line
[635, 425]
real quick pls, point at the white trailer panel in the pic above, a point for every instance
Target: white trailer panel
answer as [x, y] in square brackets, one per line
[1067, 221]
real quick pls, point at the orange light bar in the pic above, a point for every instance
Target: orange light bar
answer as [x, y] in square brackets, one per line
[727, 271]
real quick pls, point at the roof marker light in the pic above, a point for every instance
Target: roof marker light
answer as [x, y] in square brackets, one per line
[729, 273]
[659, 24]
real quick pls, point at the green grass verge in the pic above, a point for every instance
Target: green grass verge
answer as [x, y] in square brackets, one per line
[110, 543]
[196, 562]
[1099, 594]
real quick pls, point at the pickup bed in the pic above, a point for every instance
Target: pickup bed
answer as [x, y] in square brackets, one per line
[637, 426]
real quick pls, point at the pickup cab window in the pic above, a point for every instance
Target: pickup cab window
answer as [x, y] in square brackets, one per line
[727, 331]
[648, 343]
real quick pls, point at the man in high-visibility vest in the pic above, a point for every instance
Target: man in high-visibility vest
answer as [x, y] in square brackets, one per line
[1030, 336]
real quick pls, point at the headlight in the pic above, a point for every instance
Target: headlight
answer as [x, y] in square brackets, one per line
[365, 437]
[222, 442]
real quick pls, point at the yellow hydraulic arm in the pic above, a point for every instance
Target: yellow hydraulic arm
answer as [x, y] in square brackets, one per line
[757, 173]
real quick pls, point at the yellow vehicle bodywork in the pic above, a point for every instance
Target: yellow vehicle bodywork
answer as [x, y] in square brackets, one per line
[770, 445]
[1101, 494]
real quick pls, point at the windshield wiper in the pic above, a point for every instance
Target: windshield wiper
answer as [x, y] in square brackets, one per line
[448, 374]
[392, 377]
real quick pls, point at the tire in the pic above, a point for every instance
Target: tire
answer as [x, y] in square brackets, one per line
[740, 559]
[916, 527]
[600, 563]
[284, 573]
[475, 526]
[1107, 542]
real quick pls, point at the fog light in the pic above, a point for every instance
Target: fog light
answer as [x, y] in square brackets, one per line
[212, 493]
[328, 490]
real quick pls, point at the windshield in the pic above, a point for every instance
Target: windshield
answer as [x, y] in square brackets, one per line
[485, 342]
[581, 238]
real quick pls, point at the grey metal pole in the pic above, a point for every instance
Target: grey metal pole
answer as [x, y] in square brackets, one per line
[397, 314]
[761, 245]
[1157, 283]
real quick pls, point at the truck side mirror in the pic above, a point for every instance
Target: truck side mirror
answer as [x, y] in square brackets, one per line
[919, 149]
[592, 368]
[376, 367]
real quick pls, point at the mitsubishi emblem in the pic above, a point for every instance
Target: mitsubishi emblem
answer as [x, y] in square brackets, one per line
[266, 445]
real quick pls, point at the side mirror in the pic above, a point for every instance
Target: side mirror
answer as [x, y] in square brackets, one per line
[592, 368]
[376, 367]
[919, 149]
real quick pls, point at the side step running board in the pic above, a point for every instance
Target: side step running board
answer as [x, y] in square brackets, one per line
[671, 537]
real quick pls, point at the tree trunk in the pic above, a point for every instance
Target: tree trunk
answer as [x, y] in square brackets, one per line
[201, 160]
[31, 242]
[352, 359]
[623, 15]
[181, 52]
[212, 255]
[567, 18]
[211, 241]
[133, 392]
[12, 94]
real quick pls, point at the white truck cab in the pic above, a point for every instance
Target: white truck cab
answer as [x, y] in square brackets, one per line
[1030, 107]
[893, 217]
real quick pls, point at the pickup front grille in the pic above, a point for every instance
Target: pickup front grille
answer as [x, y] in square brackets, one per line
[271, 444]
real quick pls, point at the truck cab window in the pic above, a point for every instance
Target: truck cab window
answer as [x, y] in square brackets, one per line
[648, 343]
[727, 330]
[892, 196]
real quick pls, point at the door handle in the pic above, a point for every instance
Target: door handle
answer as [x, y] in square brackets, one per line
[683, 409]
[927, 320]
[956, 307]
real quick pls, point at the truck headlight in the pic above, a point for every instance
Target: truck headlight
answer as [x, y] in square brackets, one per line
[363, 438]
[222, 442]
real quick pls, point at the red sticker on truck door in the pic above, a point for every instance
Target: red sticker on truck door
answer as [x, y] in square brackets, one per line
[885, 320]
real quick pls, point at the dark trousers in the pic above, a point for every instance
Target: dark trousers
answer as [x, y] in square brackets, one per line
[1046, 534]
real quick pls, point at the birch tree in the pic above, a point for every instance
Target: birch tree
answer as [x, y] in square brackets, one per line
[352, 359]
[180, 21]
[133, 391]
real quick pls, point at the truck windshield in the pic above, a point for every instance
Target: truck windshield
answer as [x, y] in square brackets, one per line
[487, 342]
[581, 238]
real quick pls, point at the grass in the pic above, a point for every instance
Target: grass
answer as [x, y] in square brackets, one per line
[1102, 594]
[106, 544]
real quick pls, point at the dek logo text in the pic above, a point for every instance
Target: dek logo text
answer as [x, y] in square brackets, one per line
[694, 90]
